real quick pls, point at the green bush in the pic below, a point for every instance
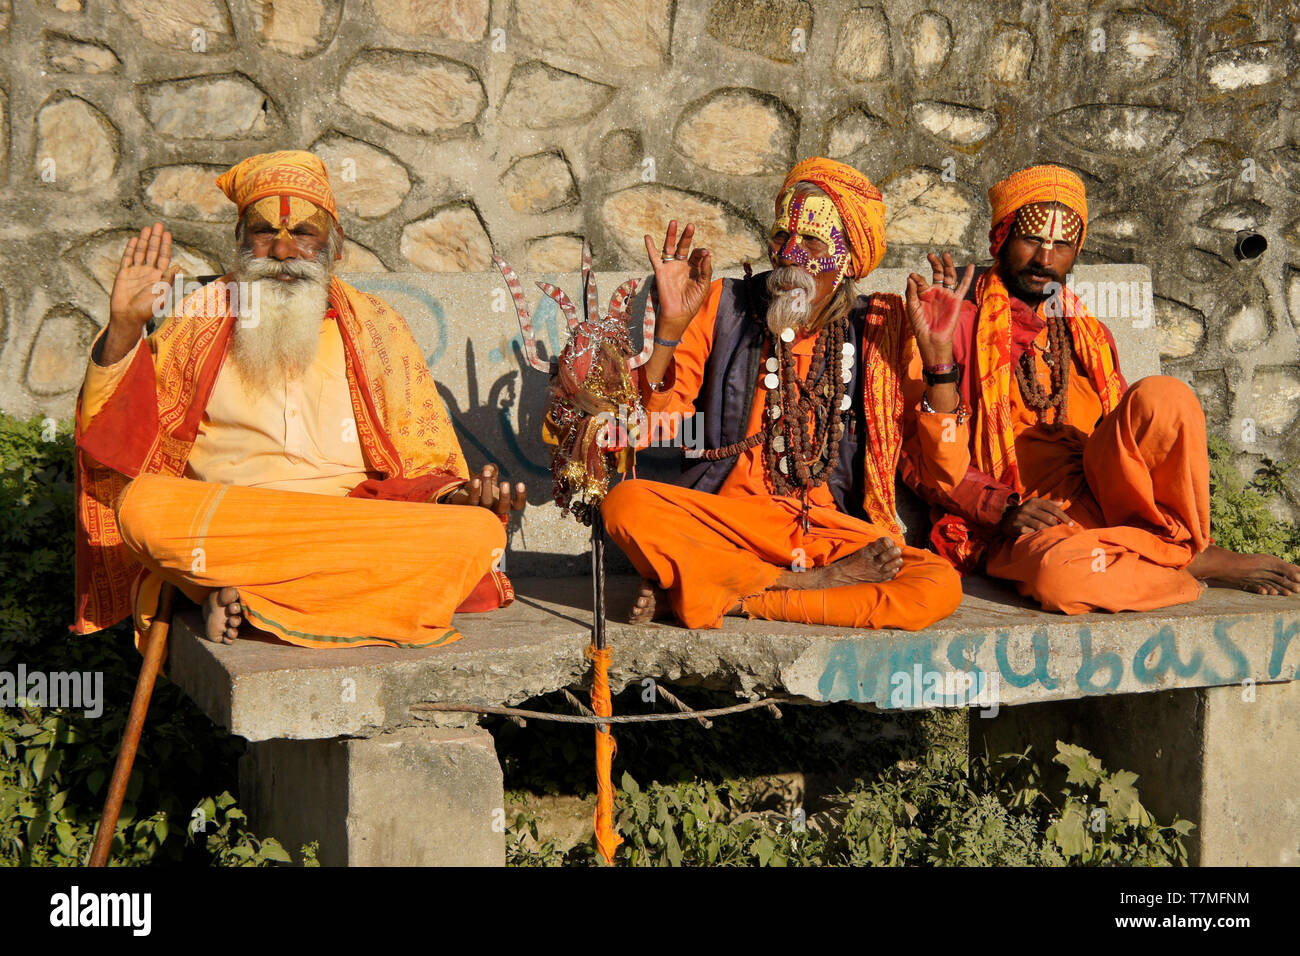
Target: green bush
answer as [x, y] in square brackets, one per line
[938, 811]
[1240, 519]
[55, 763]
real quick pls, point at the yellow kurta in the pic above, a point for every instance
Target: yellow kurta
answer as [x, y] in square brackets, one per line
[299, 436]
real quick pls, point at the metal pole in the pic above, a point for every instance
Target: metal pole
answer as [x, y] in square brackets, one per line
[598, 579]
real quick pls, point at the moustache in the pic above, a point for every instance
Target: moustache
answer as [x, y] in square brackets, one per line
[254, 267]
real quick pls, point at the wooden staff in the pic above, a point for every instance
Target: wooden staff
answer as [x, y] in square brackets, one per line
[153, 656]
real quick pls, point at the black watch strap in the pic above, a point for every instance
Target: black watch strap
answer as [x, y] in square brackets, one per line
[952, 376]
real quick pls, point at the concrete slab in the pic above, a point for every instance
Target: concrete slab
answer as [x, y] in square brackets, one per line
[1011, 653]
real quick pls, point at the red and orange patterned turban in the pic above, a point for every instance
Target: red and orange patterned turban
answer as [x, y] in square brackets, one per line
[859, 204]
[1035, 184]
[292, 172]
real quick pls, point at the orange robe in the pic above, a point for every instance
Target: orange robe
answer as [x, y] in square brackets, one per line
[315, 504]
[1135, 482]
[711, 551]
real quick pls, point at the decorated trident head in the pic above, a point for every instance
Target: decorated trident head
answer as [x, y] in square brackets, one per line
[593, 380]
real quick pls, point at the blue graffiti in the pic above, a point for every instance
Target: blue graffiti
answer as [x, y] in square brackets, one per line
[1091, 665]
[1281, 640]
[545, 320]
[1163, 640]
[1039, 671]
[1233, 652]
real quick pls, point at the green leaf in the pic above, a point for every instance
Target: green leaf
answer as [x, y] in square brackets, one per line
[1083, 767]
[1070, 832]
[671, 848]
[272, 850]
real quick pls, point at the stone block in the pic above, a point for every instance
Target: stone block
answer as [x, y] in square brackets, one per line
[423, 796]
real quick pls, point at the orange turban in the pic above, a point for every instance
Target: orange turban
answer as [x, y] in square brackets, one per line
[1035, 184]
[858, 202]
[293, 172]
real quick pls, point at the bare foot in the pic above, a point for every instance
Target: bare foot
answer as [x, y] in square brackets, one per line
[222, 615]
[879, 561]
[1257, 573]
[651, 604]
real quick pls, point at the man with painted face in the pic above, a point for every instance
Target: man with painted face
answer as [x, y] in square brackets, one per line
[789, 512]
[1087, 493]
[277, 448]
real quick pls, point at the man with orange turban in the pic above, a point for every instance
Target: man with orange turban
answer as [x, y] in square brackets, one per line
[1088, 494]
[276, 448]
[788, 512]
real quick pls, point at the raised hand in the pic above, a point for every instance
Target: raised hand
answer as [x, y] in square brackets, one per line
[483, 491]
[682, 280]
[933, 309]
[145, 264]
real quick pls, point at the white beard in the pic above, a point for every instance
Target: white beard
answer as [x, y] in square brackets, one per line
[279, 336]
[789, 308]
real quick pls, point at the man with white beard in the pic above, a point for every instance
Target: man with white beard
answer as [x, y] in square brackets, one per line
[789, 513]
[277, 448]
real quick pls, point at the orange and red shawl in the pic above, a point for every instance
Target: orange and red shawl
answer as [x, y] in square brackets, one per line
[151, 421]
[995, 438]
[887, 344]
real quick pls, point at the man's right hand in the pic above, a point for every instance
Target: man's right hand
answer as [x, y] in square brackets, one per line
[1034, 514]
[933, 308]
[681, 282]
[145, 263]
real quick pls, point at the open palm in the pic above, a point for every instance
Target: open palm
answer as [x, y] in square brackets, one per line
[933, 309]
[145, 263]
[681, 281]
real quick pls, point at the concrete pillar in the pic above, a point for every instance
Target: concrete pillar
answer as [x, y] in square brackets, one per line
[1210, 754]
[421, 796]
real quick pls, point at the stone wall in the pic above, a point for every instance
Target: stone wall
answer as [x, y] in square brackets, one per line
[453, 127]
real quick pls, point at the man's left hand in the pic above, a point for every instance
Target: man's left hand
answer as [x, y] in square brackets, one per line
[484, 491]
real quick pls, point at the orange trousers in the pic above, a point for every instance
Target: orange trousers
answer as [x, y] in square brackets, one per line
[709, 552]
[1144, 517]
[315, 570]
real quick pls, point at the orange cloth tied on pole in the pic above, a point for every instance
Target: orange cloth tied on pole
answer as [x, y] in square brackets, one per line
[292, 172]
[860, 205]
[607, 839]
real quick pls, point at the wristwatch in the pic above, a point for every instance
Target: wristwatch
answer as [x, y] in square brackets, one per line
[943, 374]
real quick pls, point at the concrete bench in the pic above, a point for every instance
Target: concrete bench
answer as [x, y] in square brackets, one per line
[1199, 700]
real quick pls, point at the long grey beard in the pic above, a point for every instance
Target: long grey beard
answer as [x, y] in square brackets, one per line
[789, 308]
[277, 338]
